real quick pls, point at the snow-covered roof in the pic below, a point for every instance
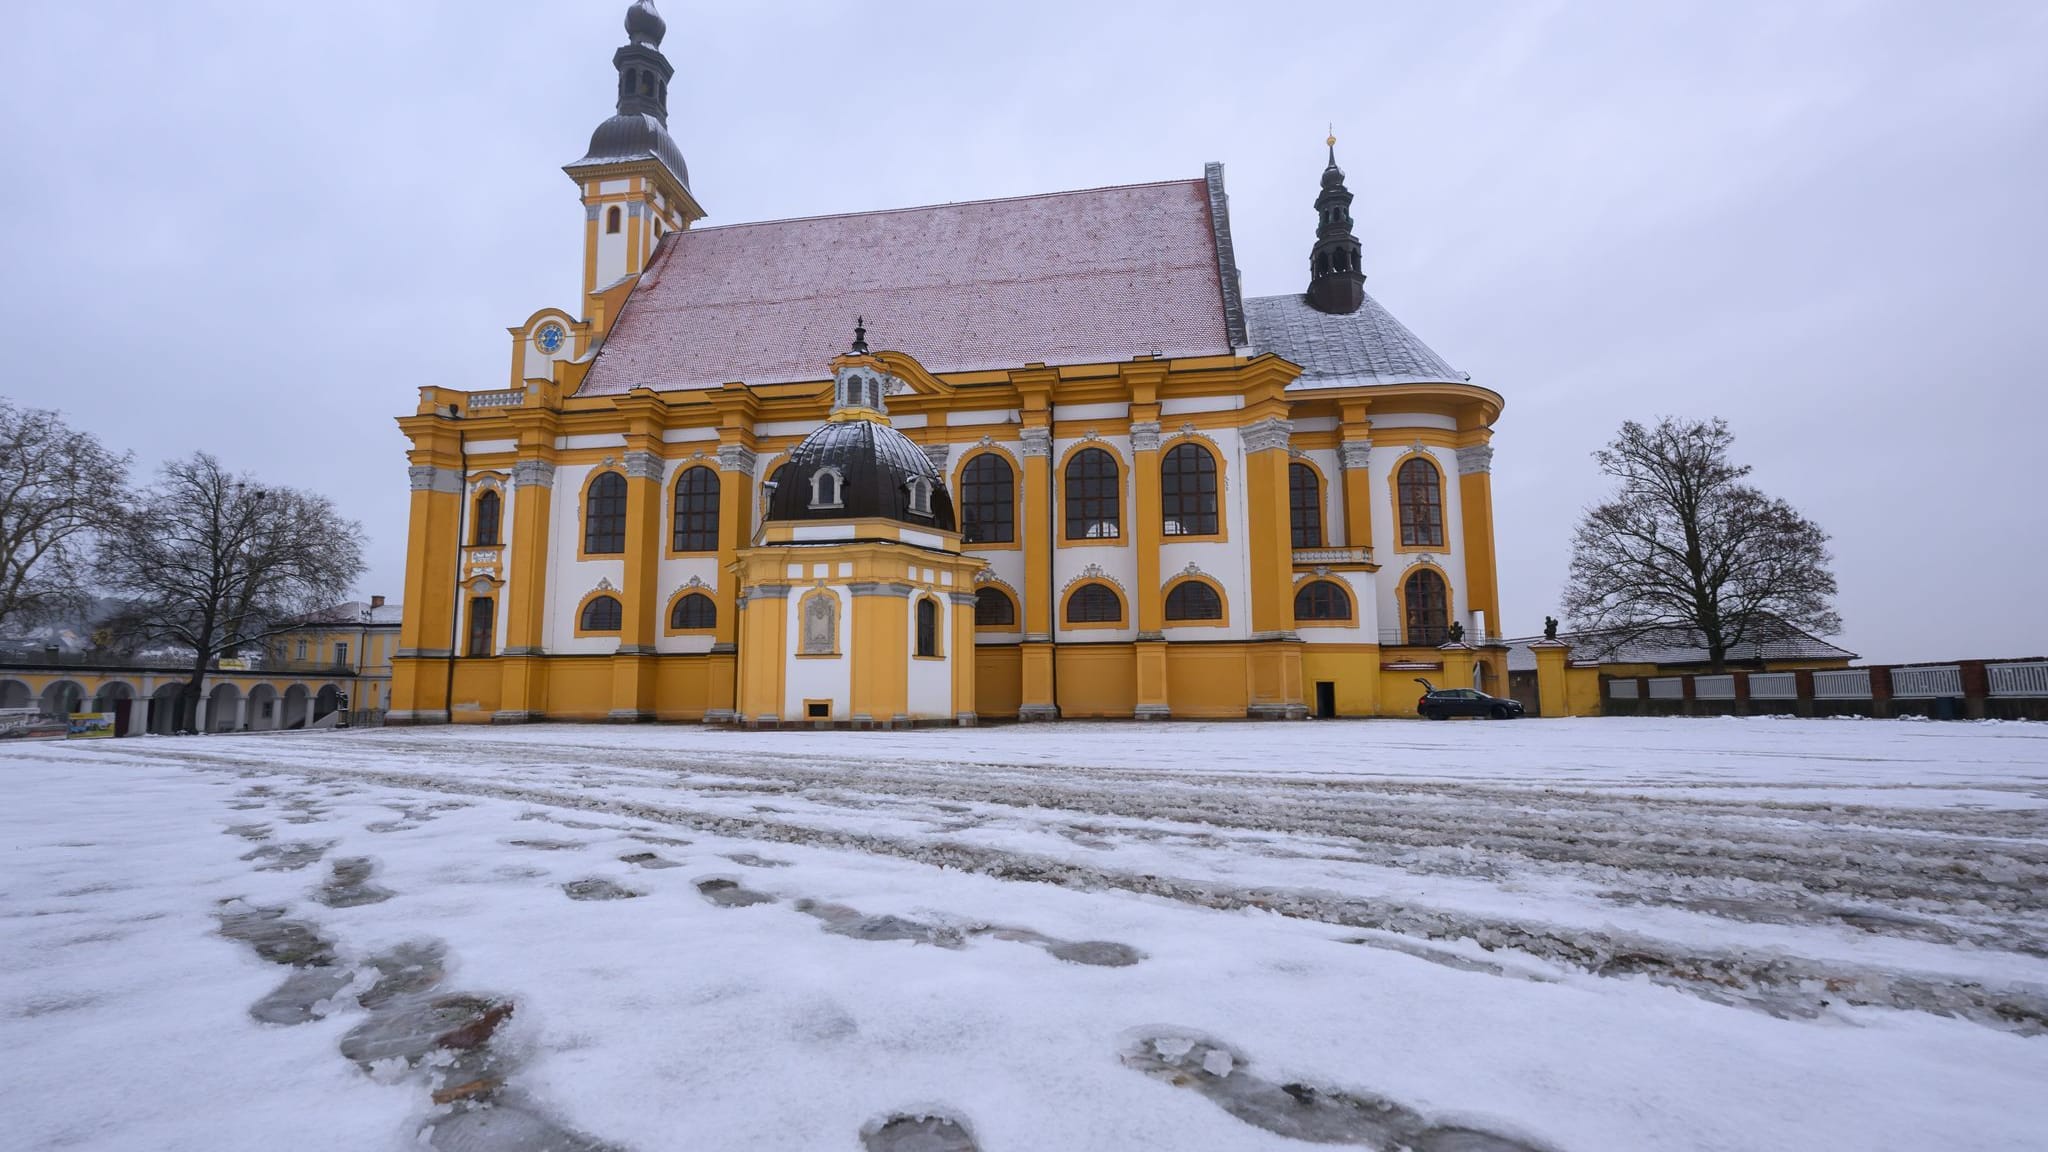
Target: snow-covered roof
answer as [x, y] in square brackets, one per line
[1064, 278]
[357, 612]
[1368, 346]
[1677, 646]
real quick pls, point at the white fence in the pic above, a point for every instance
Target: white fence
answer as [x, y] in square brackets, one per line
[1774, 686]
[1927, 681]
[2029, 679]
[1668, 688]
[1713, 687]
[1842, 684]
[1621, 689]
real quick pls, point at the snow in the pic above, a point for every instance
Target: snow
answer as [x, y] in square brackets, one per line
[1570, 935]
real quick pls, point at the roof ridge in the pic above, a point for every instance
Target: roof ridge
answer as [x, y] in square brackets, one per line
[1193, 180]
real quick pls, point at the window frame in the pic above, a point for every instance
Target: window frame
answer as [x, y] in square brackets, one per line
[927, 642]
[1010, 603]
[489, 621]
[1408, 631]
[495, 520]
[587, 514]
[591, 601]
[689, 518]
[1170, 510]
[670, 622]
[966, 507]
[1317, 489]
[1178, 586]
[1342, 593]
[1398, 489]
[1116, 481]
[1073, 596]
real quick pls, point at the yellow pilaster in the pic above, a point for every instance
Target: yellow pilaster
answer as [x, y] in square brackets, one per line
[633, 668]
[590, 234]
[1354, 453]
[526, 570]
[1475, 505]
[1143, 379]
[433, 552]
[1458, 660]
[1276, 682]
[1036, 536]
[764, 648]
[961, 651]
[880, 643]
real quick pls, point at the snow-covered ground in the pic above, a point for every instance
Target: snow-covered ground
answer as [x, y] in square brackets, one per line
[1564, 935]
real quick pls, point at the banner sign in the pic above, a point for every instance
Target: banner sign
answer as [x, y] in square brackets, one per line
[30, 724]
[91, 726]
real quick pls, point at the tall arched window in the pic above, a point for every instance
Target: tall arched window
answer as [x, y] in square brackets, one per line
[1305, 505]
[1095, 603]
[483, 625]
[1427, 604]
[1422, 505]
[993, 608]
[603, 614]
[695, 612]
[1322, 600]
[604, 516]
[927, 626]
[1193, 600]
[488, 513]
[988, 500]
[1187, 491]
[1094, 496]
[612, 216]
[696, 519]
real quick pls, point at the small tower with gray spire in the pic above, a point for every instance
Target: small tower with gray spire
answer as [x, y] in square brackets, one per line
[1336, 281]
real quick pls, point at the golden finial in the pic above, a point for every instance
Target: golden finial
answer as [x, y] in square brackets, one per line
[1332, 141]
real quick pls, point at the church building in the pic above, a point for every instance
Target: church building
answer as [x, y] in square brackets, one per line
[1026, 458]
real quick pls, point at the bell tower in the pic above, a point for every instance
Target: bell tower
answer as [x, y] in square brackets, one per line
[634, 184]
[1336, 282]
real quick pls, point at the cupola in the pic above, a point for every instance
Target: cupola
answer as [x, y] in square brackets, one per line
[1336, 278]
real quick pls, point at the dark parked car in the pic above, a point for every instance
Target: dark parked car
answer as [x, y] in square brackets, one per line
[1444, 703]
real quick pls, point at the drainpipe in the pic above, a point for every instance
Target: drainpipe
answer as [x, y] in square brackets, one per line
[1052, 545]
[461, 534]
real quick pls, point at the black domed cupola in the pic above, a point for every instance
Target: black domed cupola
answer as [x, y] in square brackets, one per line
[644, 25]
[1336, 278]
[856, 466]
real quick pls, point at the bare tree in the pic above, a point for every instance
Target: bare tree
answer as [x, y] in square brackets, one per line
[215, 563]
[57, 485]
[1685, 545]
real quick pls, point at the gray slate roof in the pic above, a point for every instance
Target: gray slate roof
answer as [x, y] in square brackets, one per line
[1367, 347]
[1680, 646]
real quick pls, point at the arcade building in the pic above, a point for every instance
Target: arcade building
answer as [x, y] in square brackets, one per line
[1027, 458]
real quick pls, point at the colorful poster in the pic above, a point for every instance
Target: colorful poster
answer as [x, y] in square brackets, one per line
[30, 724]
[91, 726]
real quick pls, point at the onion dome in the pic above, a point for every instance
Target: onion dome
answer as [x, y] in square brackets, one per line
[1336, 282]
[644, 25]
[635, 136]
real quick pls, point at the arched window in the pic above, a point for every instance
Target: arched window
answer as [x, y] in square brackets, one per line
[988, 500]
[696, 520]
[603, 614]
[927, 627]
[1095, 603]
[647, 83]
[483, 625]
[1187, 491]
[1305, 505]
[1422, 505]
[920, 496]
[1094, 495]
[695, 612]
[993, 608]
[1193, 600]
[612, 216]
[1427, 604]
[1322, 600]
[825, 488]
[488, 513]
[604, 516]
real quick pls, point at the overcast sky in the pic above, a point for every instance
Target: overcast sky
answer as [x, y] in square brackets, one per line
[256, 228]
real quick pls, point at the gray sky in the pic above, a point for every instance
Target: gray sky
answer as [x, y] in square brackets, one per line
[257, 228]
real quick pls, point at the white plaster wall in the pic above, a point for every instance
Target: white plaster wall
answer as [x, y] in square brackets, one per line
[569, 579]
[815, 677]
[1118, 558]
[1387, 452]
[1007, 567]
[930, 681]
[1326, 460]
[1391, 423]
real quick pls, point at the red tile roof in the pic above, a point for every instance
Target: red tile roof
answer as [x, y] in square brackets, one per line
[1065, 278]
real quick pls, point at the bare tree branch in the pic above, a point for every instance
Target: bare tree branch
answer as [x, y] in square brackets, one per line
[57, 487]
[1685, 544]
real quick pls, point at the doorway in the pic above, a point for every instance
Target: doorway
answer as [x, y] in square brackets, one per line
[1326, 699]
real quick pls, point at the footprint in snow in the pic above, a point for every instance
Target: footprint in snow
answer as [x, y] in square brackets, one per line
[728, 893]
[289, 857]
[648, 860]
[918, 1133]
[1301, 1111]
[598, 888]
[317, 976]
[350, 885]
[753, 861]
[1096, 953]
[843, 921]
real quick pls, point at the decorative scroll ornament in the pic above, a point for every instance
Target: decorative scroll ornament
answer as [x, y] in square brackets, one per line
[1475, 460]
[1193, 569]
[1145, 436]
[533, 474]
[643, 465]
[736, 458]
[1355, 455]
[1037, 441]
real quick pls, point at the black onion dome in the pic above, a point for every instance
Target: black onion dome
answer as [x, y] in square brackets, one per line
[635, 136]
[644, 25]
[876, 464]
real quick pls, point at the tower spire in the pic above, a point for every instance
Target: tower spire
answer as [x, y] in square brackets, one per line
[1336, 280]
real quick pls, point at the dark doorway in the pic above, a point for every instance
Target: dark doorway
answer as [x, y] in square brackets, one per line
[1326, 699]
